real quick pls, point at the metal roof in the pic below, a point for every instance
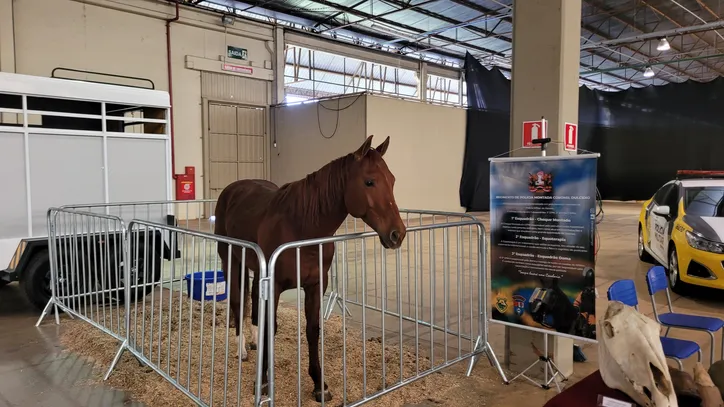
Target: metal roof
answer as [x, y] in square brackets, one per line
[619, 38]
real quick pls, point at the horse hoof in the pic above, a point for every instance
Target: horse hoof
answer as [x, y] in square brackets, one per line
[252, 346]
[319, 393]
[244, 357]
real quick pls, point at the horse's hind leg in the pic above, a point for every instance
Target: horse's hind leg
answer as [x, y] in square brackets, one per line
[254, 310]
[234, 273]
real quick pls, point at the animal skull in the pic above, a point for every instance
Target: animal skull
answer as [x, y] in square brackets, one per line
[631, 358]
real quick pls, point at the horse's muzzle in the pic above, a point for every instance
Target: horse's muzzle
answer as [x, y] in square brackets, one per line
[393, 240]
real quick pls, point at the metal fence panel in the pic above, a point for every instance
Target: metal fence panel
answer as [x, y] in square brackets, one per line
[85, 253]
[183, 328]
[407, 313]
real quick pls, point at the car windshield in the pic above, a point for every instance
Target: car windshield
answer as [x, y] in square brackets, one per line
[704, 201]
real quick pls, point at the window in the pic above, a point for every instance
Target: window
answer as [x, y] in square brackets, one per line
[660, 196]
[672, 200]
[704, 201]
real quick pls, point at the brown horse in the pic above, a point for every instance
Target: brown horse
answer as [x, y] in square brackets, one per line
[357, 184]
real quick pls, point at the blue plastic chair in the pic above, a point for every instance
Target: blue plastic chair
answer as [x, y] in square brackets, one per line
[677, 349]
[656, 280]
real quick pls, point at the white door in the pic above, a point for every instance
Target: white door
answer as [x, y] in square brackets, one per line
[236, 145]
[659, 232]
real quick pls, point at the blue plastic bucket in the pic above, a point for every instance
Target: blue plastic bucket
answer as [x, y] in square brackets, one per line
[204, 283]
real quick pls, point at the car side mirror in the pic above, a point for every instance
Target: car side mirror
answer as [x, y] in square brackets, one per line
[662, 210]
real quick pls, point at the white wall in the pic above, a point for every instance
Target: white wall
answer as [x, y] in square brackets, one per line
[309, 136]
[128, 37]
[427, 146]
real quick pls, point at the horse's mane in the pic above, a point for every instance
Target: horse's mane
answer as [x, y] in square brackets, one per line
[308, 200]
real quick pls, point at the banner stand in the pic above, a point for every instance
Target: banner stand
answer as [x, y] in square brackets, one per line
[551, 371]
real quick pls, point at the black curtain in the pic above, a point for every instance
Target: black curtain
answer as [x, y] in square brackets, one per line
[482, 140]
[486, 133]
[644, 135]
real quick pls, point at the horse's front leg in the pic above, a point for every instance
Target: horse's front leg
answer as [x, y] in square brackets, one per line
[312, 304]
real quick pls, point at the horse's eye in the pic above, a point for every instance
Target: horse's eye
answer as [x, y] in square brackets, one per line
[370, 183]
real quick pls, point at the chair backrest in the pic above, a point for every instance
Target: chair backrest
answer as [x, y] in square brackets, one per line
[656, 280]
[625, 292]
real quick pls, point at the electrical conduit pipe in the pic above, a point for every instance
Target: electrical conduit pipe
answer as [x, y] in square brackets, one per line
[170, 86]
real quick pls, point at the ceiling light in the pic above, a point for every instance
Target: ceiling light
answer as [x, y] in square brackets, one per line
[663, 45]
[648, 73]
[227, 20]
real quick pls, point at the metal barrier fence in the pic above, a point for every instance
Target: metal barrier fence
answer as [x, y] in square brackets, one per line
[85, 252]
[413, 311]
[186, 338]
[411, 217]
[392, 300]
[191, 215]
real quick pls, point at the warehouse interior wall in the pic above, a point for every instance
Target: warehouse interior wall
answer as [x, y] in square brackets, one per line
[309, 135]
[129, 38]
[427, 146]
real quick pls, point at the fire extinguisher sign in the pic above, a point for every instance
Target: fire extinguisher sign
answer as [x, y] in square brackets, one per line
[571, 141]
[533, 130]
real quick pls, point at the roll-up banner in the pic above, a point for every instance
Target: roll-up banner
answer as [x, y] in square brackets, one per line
[542, 238]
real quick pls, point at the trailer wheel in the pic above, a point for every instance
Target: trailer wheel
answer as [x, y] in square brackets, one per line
[36, 280]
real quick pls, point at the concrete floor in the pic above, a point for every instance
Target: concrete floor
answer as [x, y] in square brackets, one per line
[34, 372]
[33, 369]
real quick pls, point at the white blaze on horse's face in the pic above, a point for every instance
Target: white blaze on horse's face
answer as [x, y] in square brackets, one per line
[631, 358]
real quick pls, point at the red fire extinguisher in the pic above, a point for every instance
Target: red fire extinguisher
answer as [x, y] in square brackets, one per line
[186, 184]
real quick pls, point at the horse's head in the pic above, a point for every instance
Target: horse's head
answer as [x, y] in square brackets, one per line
[369, 196]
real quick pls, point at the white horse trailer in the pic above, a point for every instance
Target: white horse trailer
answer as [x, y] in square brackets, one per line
[68, 143]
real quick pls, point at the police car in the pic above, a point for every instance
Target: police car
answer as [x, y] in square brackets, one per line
[682, 228]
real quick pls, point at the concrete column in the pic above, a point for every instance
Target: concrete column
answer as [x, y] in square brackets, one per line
[7, 37]
[422, 86]
[546, 60]
[7, 50]
[279, 65]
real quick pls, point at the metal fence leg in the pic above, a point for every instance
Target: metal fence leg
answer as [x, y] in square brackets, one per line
[334, 298]
[53, 273]
[117, 358]
[47, 308]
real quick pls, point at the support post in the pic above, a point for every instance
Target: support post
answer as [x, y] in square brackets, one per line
[546, 61]
[7, 50]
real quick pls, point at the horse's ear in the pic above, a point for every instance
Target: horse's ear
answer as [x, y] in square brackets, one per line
[382, 148]
[362, 151]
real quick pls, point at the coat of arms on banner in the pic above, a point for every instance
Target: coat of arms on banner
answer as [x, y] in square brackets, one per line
[501, 303]
[518, 304]
[540, 182]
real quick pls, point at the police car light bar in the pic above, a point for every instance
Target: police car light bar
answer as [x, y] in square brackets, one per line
[687, 174]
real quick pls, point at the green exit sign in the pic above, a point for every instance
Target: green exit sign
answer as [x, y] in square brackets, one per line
[236, 52]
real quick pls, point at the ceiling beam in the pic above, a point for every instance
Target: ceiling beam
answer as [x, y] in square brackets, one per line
[377, 16]
[509, 20]
[406, 27]
[630, 24]
[676, 23]
[337, 14]
[656, 35]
